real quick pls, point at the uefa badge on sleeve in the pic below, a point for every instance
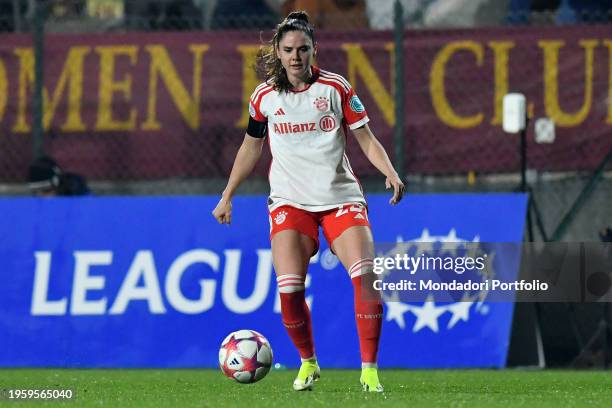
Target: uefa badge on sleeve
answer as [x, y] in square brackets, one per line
[356, 105]
[252, 110]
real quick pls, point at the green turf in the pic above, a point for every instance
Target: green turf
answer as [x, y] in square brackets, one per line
[404, 388]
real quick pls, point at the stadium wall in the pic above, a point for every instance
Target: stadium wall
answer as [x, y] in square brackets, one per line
[144, 106]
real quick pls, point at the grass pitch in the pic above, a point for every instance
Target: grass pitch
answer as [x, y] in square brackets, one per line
[208, 388]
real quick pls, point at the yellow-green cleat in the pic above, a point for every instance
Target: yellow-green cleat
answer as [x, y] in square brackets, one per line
[369, 380]
[308, 374]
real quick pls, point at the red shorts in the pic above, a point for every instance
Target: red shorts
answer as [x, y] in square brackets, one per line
[334, 222]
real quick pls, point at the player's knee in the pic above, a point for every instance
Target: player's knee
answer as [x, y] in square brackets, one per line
[362, 267]
[291, 283]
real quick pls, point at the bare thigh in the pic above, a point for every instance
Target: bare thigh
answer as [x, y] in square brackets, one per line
[291, 251]
[353, 245]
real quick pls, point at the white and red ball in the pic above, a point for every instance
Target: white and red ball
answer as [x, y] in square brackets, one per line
[245, 356]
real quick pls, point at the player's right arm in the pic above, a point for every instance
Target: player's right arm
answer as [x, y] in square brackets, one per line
[247, 155]
[245, 161]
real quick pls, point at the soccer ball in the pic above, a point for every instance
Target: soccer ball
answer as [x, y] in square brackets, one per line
[245, 356]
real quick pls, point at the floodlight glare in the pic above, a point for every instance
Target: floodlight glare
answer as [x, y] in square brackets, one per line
[515, 113]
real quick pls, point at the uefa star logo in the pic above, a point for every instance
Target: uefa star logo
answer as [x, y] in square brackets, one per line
[428, 314]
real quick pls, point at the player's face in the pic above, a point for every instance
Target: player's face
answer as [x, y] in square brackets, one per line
[295, 51]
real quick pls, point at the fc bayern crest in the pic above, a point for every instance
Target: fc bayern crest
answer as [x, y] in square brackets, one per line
[321, 103]
[280, 217]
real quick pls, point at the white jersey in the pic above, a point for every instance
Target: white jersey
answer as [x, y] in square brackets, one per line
[307, 135]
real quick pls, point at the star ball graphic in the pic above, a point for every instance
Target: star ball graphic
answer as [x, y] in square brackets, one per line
[428, 314]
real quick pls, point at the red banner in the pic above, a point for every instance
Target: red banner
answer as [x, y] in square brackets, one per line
[158, 105]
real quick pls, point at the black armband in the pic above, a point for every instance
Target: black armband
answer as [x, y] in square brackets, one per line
[257, 129]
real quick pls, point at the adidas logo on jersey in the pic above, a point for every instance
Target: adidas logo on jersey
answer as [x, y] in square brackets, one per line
[279, 112]
[288, 127]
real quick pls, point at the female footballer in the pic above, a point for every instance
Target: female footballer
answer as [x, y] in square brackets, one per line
[305, 112]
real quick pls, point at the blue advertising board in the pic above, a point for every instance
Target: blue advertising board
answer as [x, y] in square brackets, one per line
[156, 282]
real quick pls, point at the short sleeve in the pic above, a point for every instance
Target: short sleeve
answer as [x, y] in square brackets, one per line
[353, 110]
[255, 110]
[255, 113]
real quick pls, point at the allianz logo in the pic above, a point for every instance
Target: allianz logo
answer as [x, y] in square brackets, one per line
[284, 128]
[143, 282]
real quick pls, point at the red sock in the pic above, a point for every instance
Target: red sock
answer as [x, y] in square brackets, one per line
[295, 313]
[368, 310]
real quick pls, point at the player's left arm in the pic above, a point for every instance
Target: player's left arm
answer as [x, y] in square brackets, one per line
[376, 154]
